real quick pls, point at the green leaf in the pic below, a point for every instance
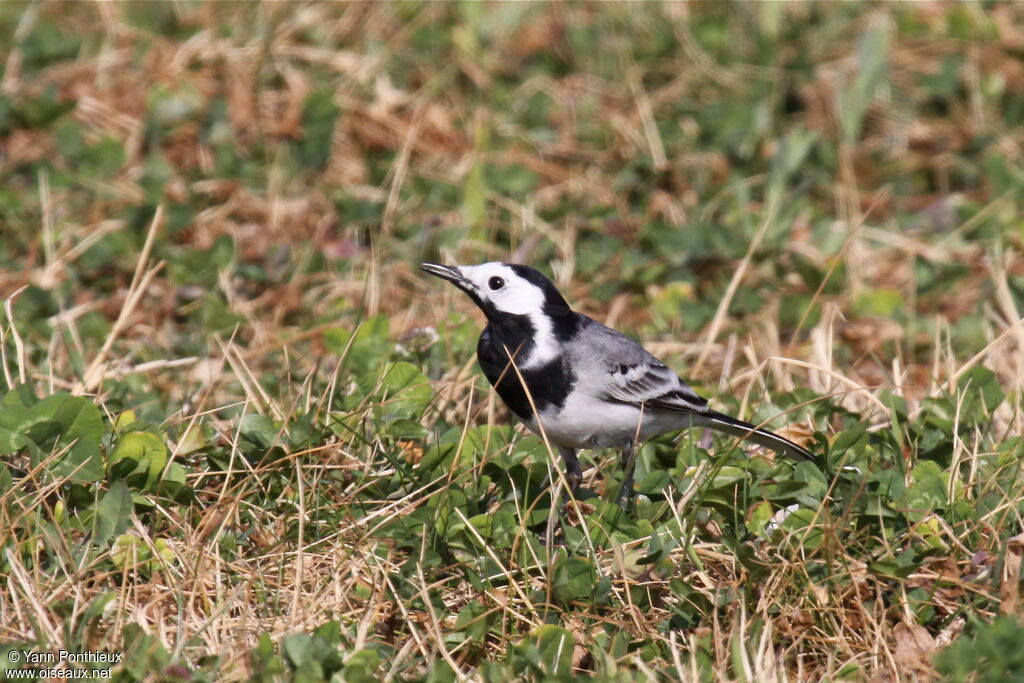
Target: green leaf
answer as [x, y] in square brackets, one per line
[128, 550]
[78, 416]
[78, 422]
[986, 652]
[653, 481]
[759, 517]
[893, 568]
[97, 607]
[21, 395]
[804, 530]
[259, 429]
[656, 549]
[297, 648]
[727, 476]
[265, 658]
[980, 383]
[174, 484]
[369, 347]
[482, 440]
[113, 513]
[15, 421]
[847, 439]
[933, 533]
[573, 579]
[549, 649]
[474, 621]
[313, 657]
[788, 159]
[319, 114]
[361, 666]
[881, 302]
[144, 453]
[405, 390]
[216, 316]
[403, 428]
[927, 491]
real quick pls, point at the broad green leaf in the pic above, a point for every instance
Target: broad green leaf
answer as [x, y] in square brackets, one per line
[653, 481]
[800, 530]
[125, 420]
[79, 422]
[113, 513]
[549, 648]
[15, 421]
[848, 438]
[297, 647]
[931, 530]
[893, 568]
[361, 666]
[573, 579]
[980, 383]
[788, 158]
[259, 429]
[21, 395]
[759, 517]
[128, 550]
[97, 607]
[483, 440]
[406, 391]
[727, 476]
[368, 349]
[173, 483]
[473, 620]
[927, 490]
[483, 524]
[147, 451]
[78, 416]
[403, 428]
[657, 549]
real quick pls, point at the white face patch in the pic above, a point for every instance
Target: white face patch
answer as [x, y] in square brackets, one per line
[500, 286]
[506, 291]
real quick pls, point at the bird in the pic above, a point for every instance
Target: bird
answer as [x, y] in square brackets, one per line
[576, 382]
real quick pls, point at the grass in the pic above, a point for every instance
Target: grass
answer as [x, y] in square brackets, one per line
[244, 438]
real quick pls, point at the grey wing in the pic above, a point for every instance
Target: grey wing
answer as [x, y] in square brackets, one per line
[616, 368]
[632, 375]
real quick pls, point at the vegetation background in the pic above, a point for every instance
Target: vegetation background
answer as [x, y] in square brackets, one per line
[243, 437]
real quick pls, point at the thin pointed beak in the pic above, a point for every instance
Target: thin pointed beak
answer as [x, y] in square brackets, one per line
[450, 273]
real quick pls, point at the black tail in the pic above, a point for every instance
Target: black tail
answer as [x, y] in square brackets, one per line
[762, 437]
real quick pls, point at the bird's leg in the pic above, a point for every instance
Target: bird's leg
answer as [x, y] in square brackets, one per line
[628, 464]
[573, 476]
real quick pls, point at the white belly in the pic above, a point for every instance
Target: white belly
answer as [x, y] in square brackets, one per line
[592, 423]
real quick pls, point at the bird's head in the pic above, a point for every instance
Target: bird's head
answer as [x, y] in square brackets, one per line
[504, 289]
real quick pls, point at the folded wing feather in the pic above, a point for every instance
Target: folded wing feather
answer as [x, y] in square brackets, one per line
[635, 376]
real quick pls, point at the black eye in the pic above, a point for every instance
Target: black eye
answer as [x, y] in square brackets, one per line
[495, 283]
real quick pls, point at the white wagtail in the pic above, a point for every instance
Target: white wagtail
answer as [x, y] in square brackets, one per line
[577, 382]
